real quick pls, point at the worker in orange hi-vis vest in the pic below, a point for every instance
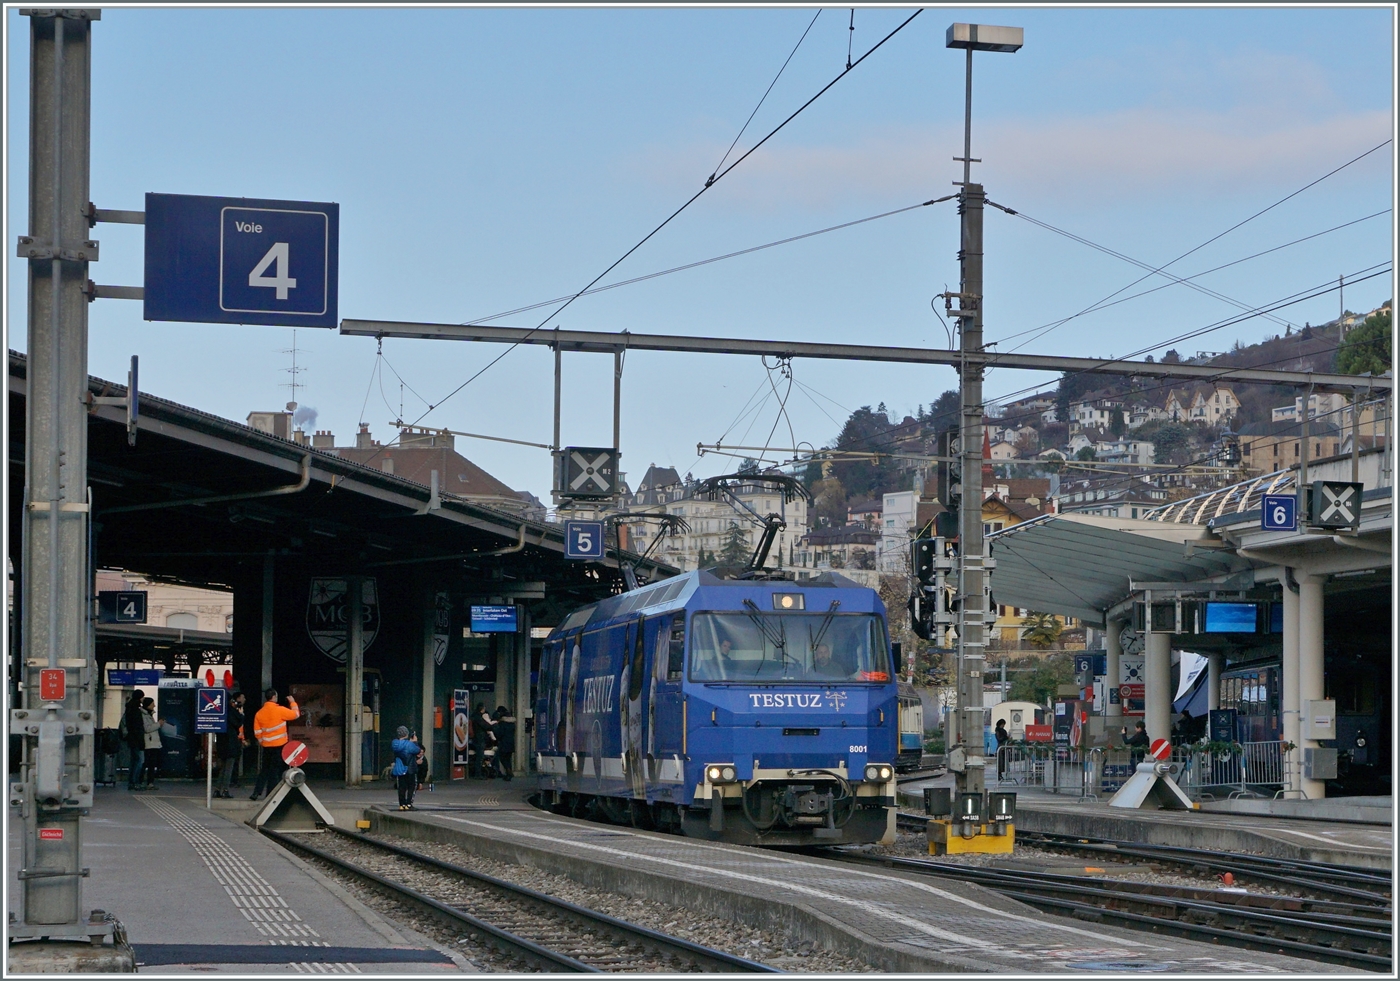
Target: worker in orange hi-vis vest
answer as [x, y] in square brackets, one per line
[270, 730]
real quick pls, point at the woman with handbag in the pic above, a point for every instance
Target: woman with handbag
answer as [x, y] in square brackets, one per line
[405, 769]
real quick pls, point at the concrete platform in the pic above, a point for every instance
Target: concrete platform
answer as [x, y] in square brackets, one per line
[199, 893]
[894, 921]
[1347, 843]
[1313, 831]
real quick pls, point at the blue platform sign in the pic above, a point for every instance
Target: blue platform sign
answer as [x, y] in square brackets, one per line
[1280, 513]
[241, 261]
[494, 620]
[211, 710]
[583, 539]
[126, 678]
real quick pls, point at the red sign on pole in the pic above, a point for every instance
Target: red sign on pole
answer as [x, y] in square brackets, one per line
[295, 754]
[50, 834]
[1160, 749]
[53, 684]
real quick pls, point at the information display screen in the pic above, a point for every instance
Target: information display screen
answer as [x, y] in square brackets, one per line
[494, 620]
[1231, 618]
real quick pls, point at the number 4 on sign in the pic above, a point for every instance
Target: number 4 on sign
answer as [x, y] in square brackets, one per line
[280, 281]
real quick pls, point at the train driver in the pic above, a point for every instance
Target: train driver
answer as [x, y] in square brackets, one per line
[826, 666]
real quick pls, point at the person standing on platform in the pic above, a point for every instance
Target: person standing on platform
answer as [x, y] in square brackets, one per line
[483, 736]
[406, 752]
[151, 728]
[134, 731]
[505, 742]
[270, 730]
[230, 745]
[1003, 737]
[1137, 742]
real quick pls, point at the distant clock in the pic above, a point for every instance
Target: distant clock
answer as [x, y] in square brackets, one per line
[1130, 641]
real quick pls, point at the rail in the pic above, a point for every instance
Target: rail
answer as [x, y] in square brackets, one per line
[579, 920]
[1351, 933]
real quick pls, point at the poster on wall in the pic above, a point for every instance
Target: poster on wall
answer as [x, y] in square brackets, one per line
[327, 612]
[461, 706]
[442, 626]
[321, 725]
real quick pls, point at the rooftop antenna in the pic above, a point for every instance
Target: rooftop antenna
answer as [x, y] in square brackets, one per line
[295, 370]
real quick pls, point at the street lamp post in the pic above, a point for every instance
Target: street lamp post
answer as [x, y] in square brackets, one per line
[966, 758]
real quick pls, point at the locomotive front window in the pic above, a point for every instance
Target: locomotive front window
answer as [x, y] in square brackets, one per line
[798, 648]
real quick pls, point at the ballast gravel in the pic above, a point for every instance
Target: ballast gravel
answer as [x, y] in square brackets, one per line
[797, 956]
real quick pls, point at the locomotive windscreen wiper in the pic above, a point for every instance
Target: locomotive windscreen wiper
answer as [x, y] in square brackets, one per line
[826, 623]
[777, 637]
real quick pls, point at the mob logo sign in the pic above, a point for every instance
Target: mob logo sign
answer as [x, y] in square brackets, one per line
[241, 260]
[328, 616]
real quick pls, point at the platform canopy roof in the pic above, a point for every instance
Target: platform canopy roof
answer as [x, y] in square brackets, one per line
[1081, 565]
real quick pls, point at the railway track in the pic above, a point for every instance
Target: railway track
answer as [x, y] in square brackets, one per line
[536, 931]
[1343, 882]
[1355, 932]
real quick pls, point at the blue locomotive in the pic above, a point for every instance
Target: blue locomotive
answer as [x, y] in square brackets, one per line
[743, 710]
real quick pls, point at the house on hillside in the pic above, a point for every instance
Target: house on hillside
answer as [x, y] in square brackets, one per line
[907, 515]
[1141, 413]
[850, 550]
[1096, 414]
[1269, 446]
[1125, 451]
[1213, 406]
[1326, 405]
[865, 513]
[1003, 450]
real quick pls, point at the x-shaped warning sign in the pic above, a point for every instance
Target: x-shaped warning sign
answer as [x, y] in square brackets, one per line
[589, 471]
[1338, 504]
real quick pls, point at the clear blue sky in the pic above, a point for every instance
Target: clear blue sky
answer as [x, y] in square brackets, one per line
[485, 159]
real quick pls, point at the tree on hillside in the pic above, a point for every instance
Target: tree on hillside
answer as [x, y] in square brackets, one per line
[1171, 357]
[829, 502]
[735, 550]
[942, 415]
[1085, 453]
[1171, 442]
[1368, 347]
[871, 431]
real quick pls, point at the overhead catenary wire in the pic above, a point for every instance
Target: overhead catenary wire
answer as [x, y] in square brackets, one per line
[705, 262]
[691, 200]
[1205, 272]
[1214, 238]
[743, 128]
[1178, 280]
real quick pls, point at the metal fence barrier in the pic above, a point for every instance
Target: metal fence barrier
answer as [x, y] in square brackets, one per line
[1249, 769]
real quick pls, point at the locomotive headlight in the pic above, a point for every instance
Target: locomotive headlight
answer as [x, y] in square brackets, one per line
[878, 772]
[713, 773]
[720, 773]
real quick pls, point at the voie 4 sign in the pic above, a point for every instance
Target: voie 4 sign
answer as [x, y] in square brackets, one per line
[241, 260]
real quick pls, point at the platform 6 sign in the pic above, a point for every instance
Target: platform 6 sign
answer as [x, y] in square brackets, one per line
[241, 260]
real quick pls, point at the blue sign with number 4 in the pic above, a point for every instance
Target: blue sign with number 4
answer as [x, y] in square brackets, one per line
[1280, 513]
[241, 260]
[583, 539]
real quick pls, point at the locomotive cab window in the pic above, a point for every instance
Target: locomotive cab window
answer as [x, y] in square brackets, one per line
[675, 657]
[798, 648]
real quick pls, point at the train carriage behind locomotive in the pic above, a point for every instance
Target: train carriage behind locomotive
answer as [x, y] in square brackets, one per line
[752, 711]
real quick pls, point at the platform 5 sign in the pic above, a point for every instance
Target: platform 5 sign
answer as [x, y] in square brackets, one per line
[328, 616]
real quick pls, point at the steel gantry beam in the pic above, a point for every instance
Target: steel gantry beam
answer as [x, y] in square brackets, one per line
[602, 342]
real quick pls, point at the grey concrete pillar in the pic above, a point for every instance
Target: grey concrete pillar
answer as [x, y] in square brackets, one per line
[1216, 664]
[269, 597]
[428, 673]
[354, 680]
[1293, 768]
[522, 707]
[1310, 669]
[1157, 666]
[1113, 675]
